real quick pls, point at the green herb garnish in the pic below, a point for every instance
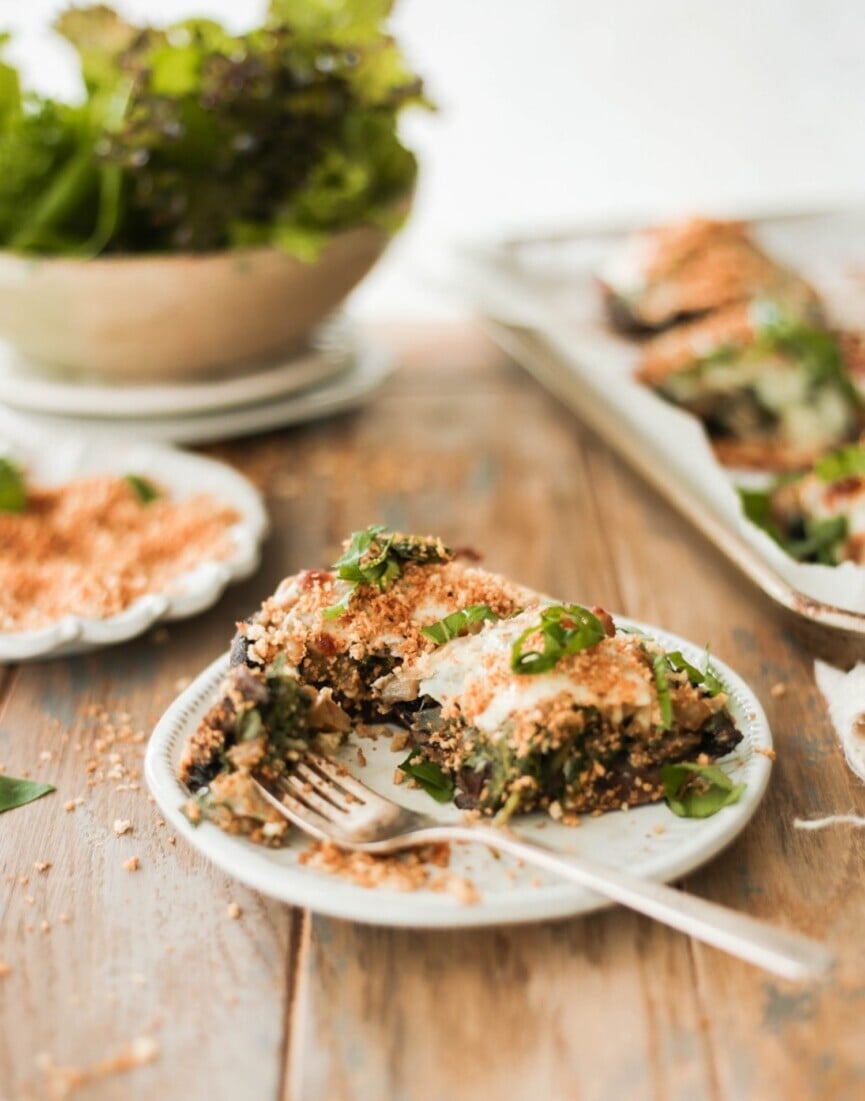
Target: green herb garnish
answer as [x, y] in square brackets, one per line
[698, 791]
[816, 349]
[190, 137]
[13, 491]
[143, 488]
[458, 623]
[820, 541]
[376, 556]
[566, 629]
[17, 793]
[845, 463]
[429, 776]
[659, 670]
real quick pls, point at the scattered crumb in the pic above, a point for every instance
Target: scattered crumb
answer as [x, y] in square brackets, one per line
[71, 804]
[399, 741]
[132, 864]
[536, 882]
[778, 690]
[398, 776]
[463, 890]
[5, 969]
[45, 927]
[361, 757]
[406, 871]
[659, 829]
[23, 880]
[233, 910]
[64, 919]
[172, 840]
[63, 1081]
[43, 865]
[121, 826]
[764, 751]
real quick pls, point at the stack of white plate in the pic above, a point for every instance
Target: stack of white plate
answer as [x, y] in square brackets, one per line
[336, 372]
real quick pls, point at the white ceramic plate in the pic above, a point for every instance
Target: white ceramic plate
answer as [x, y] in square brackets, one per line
[59, 457]
[370, 368]
[65, 394]
[650, 841]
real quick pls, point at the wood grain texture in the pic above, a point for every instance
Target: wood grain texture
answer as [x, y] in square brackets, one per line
[597, 1008]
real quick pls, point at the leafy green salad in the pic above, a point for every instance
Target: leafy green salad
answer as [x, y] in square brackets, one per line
[191, 138]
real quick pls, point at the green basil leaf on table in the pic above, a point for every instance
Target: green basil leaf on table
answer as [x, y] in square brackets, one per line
[16, 793]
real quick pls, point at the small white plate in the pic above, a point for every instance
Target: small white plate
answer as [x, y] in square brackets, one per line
[649, 841]
[369, 369]
[65, 394]
[60, 457]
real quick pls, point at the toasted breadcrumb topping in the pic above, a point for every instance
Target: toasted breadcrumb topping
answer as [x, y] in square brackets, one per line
[378, 621]
[90, 547]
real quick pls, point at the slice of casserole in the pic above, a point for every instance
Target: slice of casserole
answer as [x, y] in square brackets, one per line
[518, 702]
[820, 516]
[772, 391]
[666, 274]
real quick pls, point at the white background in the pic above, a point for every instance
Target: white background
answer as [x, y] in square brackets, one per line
[556, 112]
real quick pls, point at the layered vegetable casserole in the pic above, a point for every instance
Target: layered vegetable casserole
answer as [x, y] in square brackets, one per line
[739, 340]
[510, 701]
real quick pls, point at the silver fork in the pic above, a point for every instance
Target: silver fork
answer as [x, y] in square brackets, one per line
[324, 800]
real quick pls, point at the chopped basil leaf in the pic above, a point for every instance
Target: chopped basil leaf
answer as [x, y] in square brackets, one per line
[375, 556]
[16, 793]
[13, 492]
[698, 791]
[429, 776]
[820, 542]
[659, 669]
[144, 490]
[458, 623]
[566, 629]
[710, 680]
[847, 462]
[704, 677]
[817, 349]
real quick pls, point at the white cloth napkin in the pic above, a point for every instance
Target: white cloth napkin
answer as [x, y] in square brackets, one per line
[845, 697]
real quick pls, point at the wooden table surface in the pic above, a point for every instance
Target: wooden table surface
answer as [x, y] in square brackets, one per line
[109, 967]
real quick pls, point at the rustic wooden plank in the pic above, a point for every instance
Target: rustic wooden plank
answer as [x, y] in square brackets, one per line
[600, 1007]
[148, 953]
[510, 1012]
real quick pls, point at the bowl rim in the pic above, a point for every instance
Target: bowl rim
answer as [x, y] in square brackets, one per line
[9, 257]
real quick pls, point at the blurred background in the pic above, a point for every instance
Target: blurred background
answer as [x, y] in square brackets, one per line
[562, 112]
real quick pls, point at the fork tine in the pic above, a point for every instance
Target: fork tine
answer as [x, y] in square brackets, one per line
[306, 793]
[325, 787]
[341, 776]
[303, 817]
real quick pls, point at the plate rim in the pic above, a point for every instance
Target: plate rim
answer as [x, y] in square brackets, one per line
[339, 898]
[282, 375]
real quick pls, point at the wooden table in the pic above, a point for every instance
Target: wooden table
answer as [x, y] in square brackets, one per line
[279, 1004]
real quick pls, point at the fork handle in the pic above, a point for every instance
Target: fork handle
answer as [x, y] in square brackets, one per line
[784, 953]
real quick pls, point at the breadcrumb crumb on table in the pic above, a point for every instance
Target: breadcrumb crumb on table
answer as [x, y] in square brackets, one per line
[233, 910]
[132, 864]
[122, 826]
[765, 751]
[43, 865]
[778, 690]
[5, 969]
[64, 1081]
